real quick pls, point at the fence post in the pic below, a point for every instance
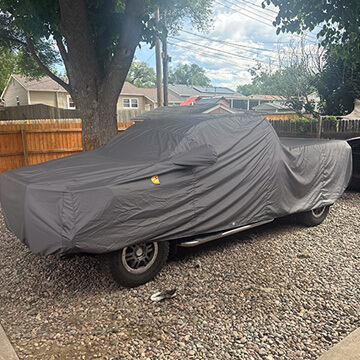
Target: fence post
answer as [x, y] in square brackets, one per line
[319, 127]
[24, 144]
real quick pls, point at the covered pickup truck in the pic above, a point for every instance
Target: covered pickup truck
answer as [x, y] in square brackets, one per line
[185, 179]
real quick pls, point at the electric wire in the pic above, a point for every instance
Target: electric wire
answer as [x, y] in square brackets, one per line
[217, 50]
[256, 19]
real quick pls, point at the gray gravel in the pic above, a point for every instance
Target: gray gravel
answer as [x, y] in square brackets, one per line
[281, 291]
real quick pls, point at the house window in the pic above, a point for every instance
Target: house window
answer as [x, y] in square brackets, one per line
[130, 103]
[71, 104]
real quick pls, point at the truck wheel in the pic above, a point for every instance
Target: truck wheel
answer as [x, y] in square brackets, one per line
[137, 264]
[314, 217]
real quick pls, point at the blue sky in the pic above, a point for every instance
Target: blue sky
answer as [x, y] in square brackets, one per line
[242, 34]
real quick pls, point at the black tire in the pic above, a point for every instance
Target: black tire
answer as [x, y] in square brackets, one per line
[137, 264]
[313, 217]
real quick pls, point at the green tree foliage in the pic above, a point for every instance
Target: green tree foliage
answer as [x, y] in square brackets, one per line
[7, 66]
[338, 85]
[185, 74]
[294, 82]
[141, 75]
[96, 41]
[17, 63]
[339, 21]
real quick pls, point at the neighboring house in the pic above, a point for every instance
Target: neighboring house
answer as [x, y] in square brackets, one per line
[184, 110]
[132, 97]
[273, 108]
[214, 101]
[22, 90]
[236, 100]
[190, 101]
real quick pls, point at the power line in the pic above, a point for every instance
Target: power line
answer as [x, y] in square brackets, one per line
[205, 54]
[256, 19]
[228, 43]
[259, 6]
[241, 7]
[245, 46]
[216, 50]
[229, 7]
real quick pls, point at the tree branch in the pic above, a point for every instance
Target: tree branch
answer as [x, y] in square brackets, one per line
[62, 49]
[131, 29]
[45, 69]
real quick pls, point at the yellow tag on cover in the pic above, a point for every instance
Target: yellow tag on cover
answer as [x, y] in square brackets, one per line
[155, 179]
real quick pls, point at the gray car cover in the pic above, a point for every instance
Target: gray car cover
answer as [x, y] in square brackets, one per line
[171, 178]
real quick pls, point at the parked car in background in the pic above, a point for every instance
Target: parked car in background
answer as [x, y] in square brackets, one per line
[178, 181]
[355, 146]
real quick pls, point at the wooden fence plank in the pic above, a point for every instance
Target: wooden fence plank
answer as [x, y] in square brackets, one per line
[24, 144]
[28, 142]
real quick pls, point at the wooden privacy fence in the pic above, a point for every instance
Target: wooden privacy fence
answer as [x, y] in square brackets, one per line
[41, 111]
[36, 111]
[27, 142]
[343, 129]
[34, 141]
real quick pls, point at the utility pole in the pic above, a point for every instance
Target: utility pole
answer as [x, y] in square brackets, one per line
[165, 64]
[158, 64]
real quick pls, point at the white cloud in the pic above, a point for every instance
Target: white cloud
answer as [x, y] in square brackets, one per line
[241, 43]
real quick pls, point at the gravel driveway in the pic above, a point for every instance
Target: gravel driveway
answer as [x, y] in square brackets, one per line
[281, 291]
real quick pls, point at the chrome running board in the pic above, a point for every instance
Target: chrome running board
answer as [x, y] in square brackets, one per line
[206, 239]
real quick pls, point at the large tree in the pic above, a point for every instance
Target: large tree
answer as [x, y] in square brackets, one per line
[185, 74]
[141, 75]
[97, 41]
[339, 21]
[294, 83]
[338, 85]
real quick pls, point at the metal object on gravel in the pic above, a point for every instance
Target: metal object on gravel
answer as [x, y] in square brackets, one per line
[162, 295]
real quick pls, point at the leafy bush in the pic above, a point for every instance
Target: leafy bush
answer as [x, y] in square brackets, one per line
[302, 124]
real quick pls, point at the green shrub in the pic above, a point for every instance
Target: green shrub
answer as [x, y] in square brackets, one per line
[302, 124]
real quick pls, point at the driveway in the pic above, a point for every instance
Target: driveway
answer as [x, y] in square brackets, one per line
[281, 291]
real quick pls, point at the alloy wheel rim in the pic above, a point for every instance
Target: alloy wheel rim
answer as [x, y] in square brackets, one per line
[318, 212]
[139, 258]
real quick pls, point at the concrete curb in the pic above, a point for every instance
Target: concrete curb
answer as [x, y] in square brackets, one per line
[7, 351]
[347, 349]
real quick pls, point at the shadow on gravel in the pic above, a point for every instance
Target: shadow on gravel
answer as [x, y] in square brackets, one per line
[282, 225]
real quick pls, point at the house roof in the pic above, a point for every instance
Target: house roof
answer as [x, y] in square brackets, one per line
[186, 90]
[183, 90]
[150, 93]
[168, 111]
[267, 97]
[44, 83]
[211, 100]
[271, 106]
[189, 100]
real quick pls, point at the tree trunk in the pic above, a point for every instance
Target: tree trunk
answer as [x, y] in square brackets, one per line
[95, 84]
[99, 122]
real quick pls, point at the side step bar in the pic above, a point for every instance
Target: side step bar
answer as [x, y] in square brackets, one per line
[206, 239]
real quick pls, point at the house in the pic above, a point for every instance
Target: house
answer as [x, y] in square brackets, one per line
[22, 90]
[190, 101]
[167, 112]
[236, 100]
[273, 108]
[214, 101]
[185, 92]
